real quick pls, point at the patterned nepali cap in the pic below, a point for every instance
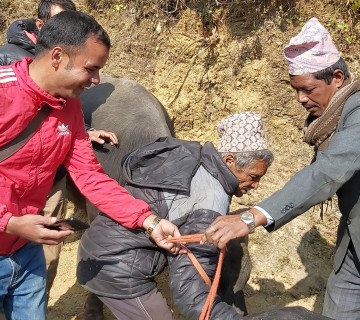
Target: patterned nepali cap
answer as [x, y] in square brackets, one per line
[311, 50]
[241, 132]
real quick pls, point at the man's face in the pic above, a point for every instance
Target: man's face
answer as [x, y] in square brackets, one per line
[80, 69]
[313, 94]
[249, 177]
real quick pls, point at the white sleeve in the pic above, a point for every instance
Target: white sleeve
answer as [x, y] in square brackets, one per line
[269, 218]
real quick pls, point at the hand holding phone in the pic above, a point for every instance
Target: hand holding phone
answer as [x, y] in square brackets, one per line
[68, 224]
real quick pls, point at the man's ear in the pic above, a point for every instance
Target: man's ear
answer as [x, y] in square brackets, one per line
[39, 23]
[230, 160]
[57, 56]
[339, 78]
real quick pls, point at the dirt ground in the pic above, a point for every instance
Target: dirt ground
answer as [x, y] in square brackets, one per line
[205, 62]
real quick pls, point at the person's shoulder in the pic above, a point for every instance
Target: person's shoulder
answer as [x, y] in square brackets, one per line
[354, 98]
[7, 73]
[351, 111]
[9, 53]
[352, 103]
[20, 38]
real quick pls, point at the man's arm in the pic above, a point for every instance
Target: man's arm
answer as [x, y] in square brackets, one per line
[323, 178]
[29, 226]
[310, 186]
[107, 195]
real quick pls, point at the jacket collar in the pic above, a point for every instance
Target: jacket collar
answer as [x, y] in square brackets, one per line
[166, 163]
[216, 166]
[179, 161]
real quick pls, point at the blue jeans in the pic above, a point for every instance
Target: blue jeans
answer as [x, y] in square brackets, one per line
[23, 284]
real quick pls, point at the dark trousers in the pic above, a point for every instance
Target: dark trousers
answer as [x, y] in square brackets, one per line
[150, 306]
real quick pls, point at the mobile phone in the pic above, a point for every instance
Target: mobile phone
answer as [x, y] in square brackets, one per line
[68, 224]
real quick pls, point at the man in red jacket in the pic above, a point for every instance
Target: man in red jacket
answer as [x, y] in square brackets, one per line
[21, 40]
[64, 65]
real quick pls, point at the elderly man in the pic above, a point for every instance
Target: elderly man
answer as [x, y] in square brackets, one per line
[49, 86]
[190, 185]
[331, 95]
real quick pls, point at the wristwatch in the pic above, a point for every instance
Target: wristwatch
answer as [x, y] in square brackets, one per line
[248, 218]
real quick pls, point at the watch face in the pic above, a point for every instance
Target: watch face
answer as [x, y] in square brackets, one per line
[247, 217]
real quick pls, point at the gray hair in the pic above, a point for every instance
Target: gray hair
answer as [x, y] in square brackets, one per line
[247, 158]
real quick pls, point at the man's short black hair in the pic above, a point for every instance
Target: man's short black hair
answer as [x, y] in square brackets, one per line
[44, 7]
[328, 74]
[70, 30]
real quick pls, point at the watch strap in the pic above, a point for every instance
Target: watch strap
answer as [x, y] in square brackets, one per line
[152, 226]
[251, 223]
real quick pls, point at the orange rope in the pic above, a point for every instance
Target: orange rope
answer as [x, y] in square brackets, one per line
[187, 238]
[206, 311]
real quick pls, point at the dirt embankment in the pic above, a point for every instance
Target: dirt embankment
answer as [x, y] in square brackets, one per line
[205, 62]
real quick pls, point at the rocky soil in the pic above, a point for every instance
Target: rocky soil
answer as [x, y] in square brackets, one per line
[204, 62]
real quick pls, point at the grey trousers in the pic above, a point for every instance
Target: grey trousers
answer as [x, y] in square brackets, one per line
[342, 297]
[150, 306]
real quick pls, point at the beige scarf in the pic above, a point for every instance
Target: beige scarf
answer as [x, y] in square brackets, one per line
[318, 131]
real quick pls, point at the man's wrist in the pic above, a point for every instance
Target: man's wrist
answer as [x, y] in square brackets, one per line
[10, 224]
[259, 218]
[148, 221]
[248, 218]
[152, 226]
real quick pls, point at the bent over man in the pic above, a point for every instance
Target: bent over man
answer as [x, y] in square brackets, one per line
[190, 185]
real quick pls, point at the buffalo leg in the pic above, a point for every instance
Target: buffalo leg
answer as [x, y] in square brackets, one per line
[235, 274]
[93, 309]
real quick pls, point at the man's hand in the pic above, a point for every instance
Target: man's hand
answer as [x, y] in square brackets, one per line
[101, 136]
[226, 228]
[33, 228]
[162, 231]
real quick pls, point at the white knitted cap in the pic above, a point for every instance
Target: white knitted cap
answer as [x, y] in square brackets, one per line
[241, 132]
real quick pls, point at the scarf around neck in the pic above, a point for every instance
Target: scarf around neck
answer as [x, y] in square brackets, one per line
[318, 131]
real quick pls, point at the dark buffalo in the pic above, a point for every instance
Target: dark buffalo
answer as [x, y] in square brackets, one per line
[130, 111]
[235, 274]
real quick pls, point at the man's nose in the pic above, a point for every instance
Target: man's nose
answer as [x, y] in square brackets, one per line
[255, 185]
[95, 79]
[302, 97]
